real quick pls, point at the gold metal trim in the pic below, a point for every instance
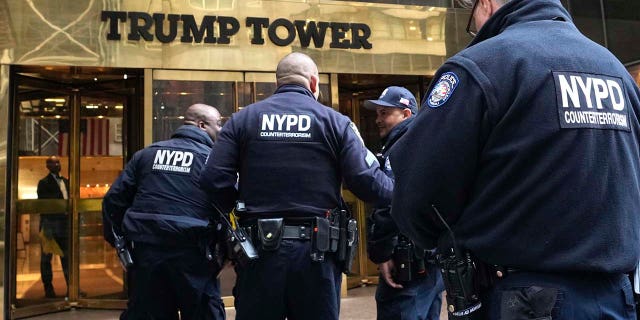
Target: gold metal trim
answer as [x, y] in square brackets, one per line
[335, 92]
[74, 184]
[41, 206]
[148, 107]
[268, 77]
[27, 311]
[103, 303]
[13, 216]
[89, 205]
[191, 75]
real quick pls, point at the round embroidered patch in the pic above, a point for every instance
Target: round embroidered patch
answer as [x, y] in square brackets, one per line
[443, 90]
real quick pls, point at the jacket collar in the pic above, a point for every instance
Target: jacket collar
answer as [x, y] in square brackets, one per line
[520, 11]
[193, 133]
[294, 88]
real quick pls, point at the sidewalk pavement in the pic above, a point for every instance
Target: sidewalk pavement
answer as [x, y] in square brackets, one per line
[358, 305]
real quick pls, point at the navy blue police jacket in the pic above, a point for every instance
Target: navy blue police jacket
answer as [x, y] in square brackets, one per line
[527, 144]
[383, 233]
[157, 198]
[291, 155]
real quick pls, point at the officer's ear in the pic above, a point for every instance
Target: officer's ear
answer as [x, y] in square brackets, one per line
[201, 124]
[314, 85]
[406, 113]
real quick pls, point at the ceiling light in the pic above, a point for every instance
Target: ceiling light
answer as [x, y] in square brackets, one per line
[119, 107]
[54, 100]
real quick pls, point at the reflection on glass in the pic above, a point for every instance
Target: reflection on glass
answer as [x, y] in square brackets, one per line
[42, 235]
[101, 161]
[172, 97]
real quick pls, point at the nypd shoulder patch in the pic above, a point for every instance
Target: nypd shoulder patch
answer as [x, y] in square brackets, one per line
[443, 90]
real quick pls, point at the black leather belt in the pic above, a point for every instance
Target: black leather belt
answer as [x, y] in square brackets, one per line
[297, 232]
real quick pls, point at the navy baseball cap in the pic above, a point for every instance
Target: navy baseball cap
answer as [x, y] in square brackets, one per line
[394, 97]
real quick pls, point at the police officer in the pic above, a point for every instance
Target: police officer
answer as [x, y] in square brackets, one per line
[528, 146]
[410, 291]
[156, 203]
[292, 154]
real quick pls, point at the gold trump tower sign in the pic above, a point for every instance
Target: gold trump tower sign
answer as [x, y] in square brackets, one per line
[164, 28]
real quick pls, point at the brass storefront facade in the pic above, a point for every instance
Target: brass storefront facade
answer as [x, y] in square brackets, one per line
[130, 67]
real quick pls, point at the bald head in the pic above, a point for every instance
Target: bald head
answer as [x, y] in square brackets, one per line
[205, 117]
[53, 164]
[298, 68]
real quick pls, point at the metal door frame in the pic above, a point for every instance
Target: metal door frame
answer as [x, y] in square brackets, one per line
[16, 207]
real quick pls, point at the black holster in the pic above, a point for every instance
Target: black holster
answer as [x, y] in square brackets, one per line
[459, 275]
[347, 243]
[239, 247]
[403, 258]
[124, 255]
[408, 260]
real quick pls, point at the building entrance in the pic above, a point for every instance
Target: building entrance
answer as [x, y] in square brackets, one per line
[72, 131]
[354, 90]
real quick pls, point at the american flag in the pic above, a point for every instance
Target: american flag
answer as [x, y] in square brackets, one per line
[94, 137]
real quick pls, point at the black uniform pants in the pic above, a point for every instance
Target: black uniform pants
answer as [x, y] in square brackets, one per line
[286, 284]
[167, 279]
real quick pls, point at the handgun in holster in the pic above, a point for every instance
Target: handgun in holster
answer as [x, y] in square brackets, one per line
[124, 255]
[216, 249]
[348, 238]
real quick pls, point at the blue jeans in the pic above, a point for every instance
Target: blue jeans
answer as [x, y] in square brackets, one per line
[420, 299]
[583, 296]
[286, 283]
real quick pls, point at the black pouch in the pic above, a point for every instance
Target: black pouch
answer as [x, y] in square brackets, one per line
[270, 233]
[321, 234]
[320, 239]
